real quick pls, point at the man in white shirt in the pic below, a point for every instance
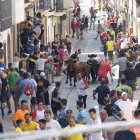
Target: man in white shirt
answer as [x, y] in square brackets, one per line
[119, 94]
[40, 64]
[127, 107]
[81, 87]
[50, 123]
[94, 120]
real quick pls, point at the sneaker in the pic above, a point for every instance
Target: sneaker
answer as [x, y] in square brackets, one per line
[10, 112]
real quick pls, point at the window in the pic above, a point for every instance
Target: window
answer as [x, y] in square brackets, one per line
[43, 5]
[26, 1]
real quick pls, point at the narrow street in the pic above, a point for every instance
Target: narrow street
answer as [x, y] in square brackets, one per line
[88, 46]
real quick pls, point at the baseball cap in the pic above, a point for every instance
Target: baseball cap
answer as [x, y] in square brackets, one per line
[42, 74]
[124, 93]
[69, 111]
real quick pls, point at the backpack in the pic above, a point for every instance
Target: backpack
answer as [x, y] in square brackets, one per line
[27, 91]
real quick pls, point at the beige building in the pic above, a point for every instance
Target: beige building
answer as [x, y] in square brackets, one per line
[56, 15]
[9, 32]
[6, 39]
[134, 15]
[6, 29]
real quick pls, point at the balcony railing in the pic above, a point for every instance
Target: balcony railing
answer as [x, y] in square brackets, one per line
[43, 5]
[59, 5]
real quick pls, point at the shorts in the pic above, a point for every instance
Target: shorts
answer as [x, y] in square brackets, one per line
[16, 97]
[77, 31]
[110, 54]
[4, 97]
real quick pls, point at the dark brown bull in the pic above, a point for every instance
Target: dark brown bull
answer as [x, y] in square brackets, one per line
[73, 68]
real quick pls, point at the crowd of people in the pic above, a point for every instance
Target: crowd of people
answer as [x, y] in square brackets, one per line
[30, 83]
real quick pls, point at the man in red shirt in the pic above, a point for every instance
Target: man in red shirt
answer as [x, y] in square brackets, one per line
[104, 68]
[103, 39]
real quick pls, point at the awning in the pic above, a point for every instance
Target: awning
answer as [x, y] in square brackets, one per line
[59, 14]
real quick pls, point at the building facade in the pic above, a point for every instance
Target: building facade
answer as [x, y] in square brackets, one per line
[6, 28]
[56, 16]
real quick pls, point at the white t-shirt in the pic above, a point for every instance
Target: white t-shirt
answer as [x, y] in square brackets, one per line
[127, 107]
[96, 135]
[119, 100]
[16, 61]
[39, 115]
[40, 64]
[124, 43]
[53, 124]
[80, 84]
